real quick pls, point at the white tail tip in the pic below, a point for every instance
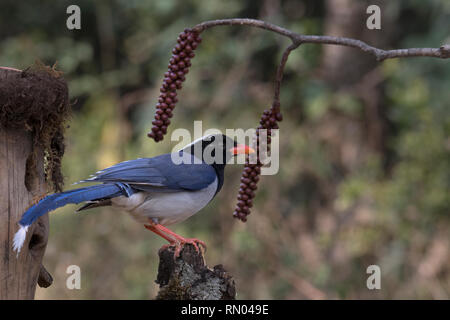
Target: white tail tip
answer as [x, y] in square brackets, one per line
[19, 238]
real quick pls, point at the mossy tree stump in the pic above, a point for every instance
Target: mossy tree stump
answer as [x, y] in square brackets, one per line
[33, 107]
[188, 278]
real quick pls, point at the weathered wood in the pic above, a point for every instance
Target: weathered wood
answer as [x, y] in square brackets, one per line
[188, 277]
[19, 274]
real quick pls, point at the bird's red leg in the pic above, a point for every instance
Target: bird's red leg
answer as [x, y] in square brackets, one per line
[173, 238]
[152, 227]
[194, 241]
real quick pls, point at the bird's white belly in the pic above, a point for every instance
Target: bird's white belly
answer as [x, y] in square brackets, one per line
[165, 208]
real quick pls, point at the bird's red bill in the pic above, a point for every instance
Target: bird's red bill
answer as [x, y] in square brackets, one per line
[241, 149]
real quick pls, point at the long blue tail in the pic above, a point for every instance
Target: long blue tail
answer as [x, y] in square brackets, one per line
[57, 200]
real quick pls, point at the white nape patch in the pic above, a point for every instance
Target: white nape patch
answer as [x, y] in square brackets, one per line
[19, 238]
[195, 141]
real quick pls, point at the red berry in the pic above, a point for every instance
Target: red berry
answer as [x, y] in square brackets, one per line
[178, 67]
[279, 116]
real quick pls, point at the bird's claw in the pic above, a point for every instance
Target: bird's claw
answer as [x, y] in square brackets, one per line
[180, 243]
[196, 242]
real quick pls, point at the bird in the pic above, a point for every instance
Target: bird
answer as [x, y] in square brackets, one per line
[157, 192]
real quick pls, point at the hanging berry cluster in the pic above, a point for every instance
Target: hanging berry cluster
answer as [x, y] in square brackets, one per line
[179, 65]
[250, 175]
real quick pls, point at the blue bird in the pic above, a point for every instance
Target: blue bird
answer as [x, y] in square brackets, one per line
[157, 191]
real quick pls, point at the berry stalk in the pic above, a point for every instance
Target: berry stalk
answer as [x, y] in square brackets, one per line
[251, 174]
[178, 67]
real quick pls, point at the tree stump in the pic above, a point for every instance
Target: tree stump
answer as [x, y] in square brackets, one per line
[33, 107]
[188, 278]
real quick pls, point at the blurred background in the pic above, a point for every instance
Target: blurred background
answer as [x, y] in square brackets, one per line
[364, 173]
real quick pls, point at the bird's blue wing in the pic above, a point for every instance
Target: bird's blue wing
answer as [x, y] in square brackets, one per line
[123, 179]
[158, 174]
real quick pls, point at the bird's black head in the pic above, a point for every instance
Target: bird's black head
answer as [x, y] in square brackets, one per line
[216, 149]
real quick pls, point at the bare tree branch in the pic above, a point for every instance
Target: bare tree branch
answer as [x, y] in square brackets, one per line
[280, 72]
[442, 52]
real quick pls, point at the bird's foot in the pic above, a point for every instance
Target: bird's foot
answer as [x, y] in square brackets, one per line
[174, 239]
[181, 242]
[198, 244]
